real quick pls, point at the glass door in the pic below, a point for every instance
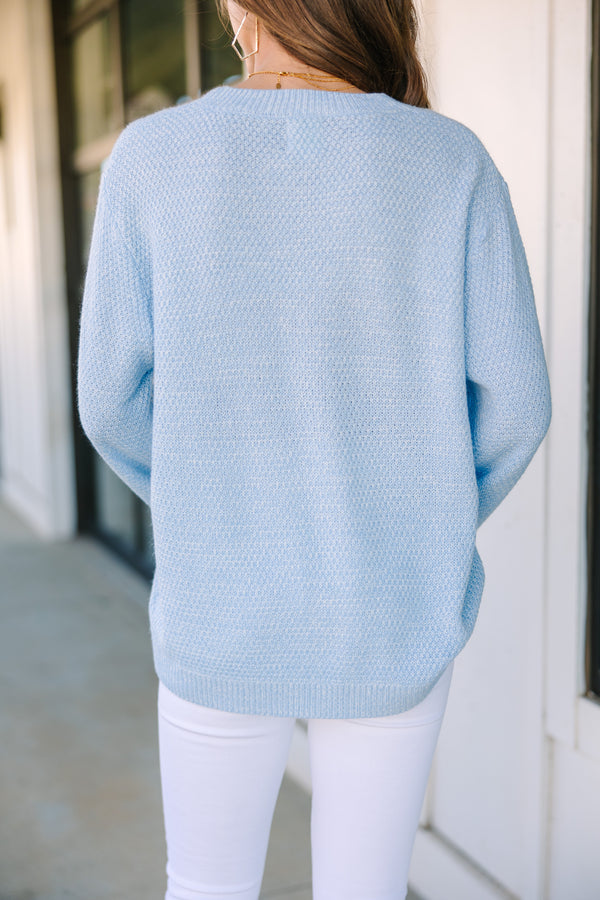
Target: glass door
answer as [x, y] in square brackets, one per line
[116, 61]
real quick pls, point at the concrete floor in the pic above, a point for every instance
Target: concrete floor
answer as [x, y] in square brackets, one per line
[79, 774]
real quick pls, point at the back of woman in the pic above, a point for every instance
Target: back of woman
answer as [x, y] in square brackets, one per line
[309, 342]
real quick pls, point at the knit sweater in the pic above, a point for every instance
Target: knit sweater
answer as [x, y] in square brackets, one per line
[309, 341]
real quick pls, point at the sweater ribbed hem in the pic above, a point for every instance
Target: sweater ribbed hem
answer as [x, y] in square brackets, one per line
[295, 101]
[305, 700]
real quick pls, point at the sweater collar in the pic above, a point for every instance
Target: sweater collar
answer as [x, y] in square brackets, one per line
[295, 101]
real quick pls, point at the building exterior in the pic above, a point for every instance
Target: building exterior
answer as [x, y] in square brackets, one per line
[511, 807]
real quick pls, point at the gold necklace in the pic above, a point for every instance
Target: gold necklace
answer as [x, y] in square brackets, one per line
[307, 76]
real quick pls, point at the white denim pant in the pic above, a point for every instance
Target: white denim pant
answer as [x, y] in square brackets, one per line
[221, 773]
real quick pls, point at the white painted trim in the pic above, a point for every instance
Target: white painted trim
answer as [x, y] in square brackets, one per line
[588, 727]
[568, 280]
[439, 871]
[57, 517]
[38, 471]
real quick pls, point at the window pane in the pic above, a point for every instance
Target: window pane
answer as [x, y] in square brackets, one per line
[218, 59]
[147, 536]
[88, 193]
[154, 55]
[92, 83]
[115, 503]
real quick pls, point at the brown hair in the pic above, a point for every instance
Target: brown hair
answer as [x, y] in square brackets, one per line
[371, 45]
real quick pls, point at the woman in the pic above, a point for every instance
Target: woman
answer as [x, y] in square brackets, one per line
[309, 341]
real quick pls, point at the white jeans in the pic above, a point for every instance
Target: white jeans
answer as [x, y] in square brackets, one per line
[221, 773]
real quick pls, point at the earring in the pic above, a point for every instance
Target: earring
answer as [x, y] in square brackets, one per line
[236, 37]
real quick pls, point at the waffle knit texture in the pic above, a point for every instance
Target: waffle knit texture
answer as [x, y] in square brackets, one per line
[309, 341]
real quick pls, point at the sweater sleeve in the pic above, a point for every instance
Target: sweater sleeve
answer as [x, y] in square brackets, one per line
[115, 369]
[508, 389]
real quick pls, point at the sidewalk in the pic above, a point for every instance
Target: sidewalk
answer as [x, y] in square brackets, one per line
[79, 775]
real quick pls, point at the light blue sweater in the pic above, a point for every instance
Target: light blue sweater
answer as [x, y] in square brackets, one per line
[309, 341]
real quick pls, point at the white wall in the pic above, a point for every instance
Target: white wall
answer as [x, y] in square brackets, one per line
[488, 65]
[512, 794]
[36, 453]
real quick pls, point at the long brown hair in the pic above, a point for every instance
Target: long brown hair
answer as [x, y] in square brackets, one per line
[368, 43]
